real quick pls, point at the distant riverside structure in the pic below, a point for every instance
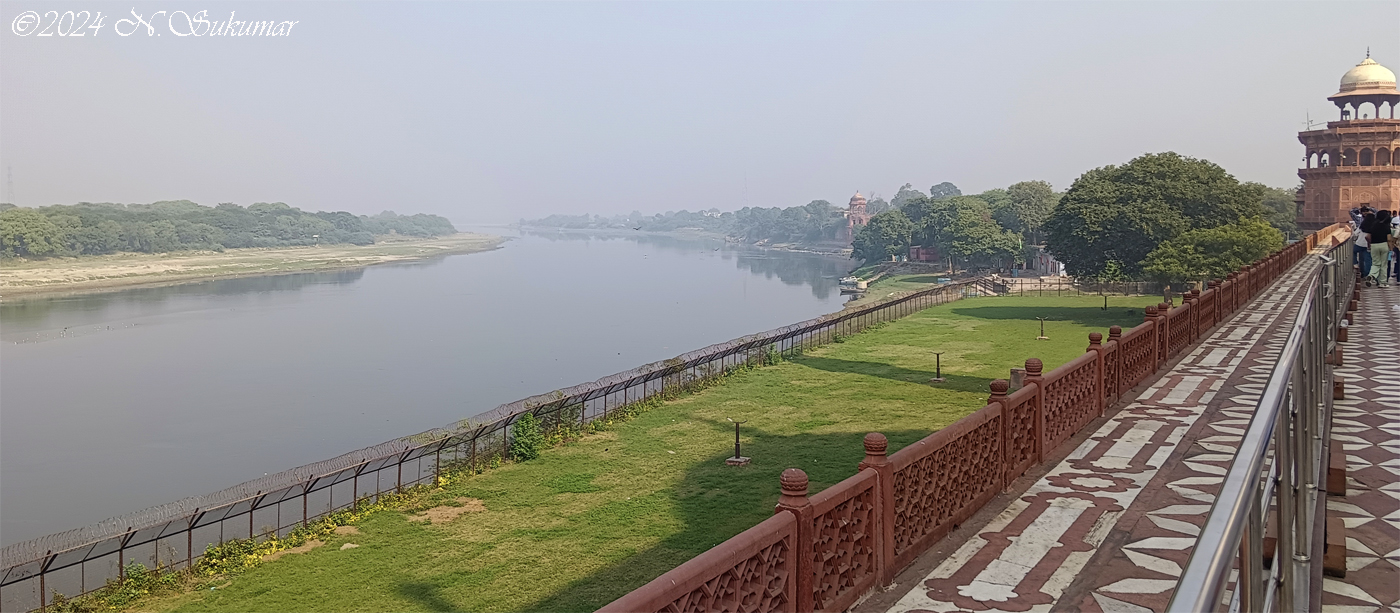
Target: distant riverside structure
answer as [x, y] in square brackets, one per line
[856, 216]
[1352, 162]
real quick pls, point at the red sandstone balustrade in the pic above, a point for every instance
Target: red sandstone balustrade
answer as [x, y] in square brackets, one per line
[1071, 399]
[823, 553]
[940, 481]
[754, 571]
[1021, 427]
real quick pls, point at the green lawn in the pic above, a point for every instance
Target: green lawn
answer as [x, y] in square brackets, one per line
[590, 521]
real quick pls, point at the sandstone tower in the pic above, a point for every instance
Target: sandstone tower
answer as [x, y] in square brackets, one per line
[1352, 162]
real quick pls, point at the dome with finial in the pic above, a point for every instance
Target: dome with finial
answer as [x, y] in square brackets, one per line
[857, 200]
[1367, 76]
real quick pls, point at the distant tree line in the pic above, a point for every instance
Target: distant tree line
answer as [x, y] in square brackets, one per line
[178, 225]
[1105, 226]
[814, 222]
[991, 229]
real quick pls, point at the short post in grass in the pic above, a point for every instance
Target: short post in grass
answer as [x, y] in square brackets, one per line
[738, 459]
[937, 367]
[1042, 336]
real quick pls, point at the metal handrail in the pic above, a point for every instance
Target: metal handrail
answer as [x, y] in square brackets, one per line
[1292, 413]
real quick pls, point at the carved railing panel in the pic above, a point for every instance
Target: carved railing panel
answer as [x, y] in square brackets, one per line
[1111, 374]
[1022, 431]
[1138, 346]
[752, 572]
[1178, 329]
[944, 478]
[843, 542]
[1071, 399]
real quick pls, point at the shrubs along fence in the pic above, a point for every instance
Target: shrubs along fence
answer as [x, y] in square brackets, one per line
[822, 553]
[174, 535]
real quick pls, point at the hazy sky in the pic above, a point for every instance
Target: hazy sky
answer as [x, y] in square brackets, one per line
[488, 112]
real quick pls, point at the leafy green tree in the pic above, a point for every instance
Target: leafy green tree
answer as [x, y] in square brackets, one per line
[974, 238]
[1280, 206]
[1030, 205]
[1122, 213]
[943, 190]
[26, 232]
[905, 195]
[1212, 253]
[527, 438]
[887, 234]
[877, 205]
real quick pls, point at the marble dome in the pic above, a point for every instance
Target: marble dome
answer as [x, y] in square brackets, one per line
[1368, 75]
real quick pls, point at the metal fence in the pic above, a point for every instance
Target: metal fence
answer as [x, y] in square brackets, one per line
[1278, 470]
[174, 535]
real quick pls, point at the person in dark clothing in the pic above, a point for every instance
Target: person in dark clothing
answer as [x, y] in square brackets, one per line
[1361, 241]
[1377, 230]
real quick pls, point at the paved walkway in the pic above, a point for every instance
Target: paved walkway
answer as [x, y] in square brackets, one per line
[1110, 526]
[1367, 423]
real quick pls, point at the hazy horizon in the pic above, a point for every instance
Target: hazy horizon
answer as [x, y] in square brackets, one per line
[492, 112]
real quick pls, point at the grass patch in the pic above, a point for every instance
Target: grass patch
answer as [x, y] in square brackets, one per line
[594, 518]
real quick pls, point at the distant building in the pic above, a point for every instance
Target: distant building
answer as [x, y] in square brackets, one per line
[1352, 163]
[919, 253]
[1046, 265]
[856, 216]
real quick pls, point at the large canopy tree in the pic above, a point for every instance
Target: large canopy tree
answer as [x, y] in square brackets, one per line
[1121, 213]
[887, 234]
[1212, 253]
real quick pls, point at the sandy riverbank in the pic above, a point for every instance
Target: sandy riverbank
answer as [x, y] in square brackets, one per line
[24, 278]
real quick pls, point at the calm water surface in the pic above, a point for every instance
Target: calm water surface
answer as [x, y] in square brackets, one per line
[115, 402]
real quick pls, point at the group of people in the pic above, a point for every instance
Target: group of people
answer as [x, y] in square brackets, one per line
[1376, 251]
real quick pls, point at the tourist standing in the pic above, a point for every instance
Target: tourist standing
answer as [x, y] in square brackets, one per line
[1377, 229]
[1361, 244]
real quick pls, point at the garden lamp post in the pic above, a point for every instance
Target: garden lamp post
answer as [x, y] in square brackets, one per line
[938, 367]
[737, 460]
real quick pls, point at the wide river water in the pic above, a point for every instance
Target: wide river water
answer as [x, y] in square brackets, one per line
[114, 402]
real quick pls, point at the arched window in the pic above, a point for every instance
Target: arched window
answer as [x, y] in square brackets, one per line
[1382, 157]
[1367, 158]
[1349, 157]
[1312, 159]
[1325, 159]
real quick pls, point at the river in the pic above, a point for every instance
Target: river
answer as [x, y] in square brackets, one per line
[114, 402]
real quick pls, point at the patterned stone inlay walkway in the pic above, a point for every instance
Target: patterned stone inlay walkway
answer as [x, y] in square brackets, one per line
[1367, 423]
[1111, 525]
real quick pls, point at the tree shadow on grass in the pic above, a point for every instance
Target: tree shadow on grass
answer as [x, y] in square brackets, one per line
[1092, 316]
[961, 383]
[715, 502]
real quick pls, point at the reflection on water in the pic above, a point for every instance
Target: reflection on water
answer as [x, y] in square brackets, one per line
[27, 319]
[820, 271]
[115, 402]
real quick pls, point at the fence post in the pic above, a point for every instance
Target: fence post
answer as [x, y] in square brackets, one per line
[1096, 346]
[1195, 314]
[1215, 304]
[998, 397]
[1033, 369]
[1164, 332]
[1115, 336]
[875, 446]
[794, 500]
[1150, 317]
